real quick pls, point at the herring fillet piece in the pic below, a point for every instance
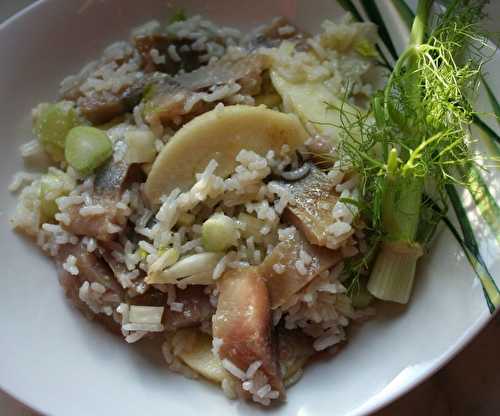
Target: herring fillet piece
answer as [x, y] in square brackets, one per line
[243, 323]
[282, 286]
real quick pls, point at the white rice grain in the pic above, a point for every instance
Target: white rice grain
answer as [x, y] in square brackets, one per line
[70, 265]
[172, 53]
[233, 369]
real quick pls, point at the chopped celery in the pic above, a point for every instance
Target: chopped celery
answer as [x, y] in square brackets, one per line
[140, 146]
[54, 184]
[219, 233]
[87, 148]
[392, 275]
[52, 124]
[139, 314]
[167, 258]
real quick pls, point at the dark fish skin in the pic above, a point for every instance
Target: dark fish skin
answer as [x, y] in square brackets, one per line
[101, 107]
[168, 96]
[243, 323]
[109, 183]
[161, 42]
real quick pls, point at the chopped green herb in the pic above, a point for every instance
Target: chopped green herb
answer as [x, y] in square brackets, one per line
[178, 16]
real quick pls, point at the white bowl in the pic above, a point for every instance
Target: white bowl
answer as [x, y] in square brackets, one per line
[59, 363]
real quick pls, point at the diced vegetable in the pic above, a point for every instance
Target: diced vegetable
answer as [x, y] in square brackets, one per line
[145, 314]
[219, 233]
[166, 259]
[188, 266]
[394, 259]
[54, 184]
[87, 148]
[52, 124]
[140, 146]
[220, 134]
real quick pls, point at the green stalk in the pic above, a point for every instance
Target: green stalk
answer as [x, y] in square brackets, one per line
[394, 271]
[479, 190]
[420, 22]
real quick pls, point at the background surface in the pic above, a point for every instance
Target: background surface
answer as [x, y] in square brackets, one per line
[469, 385]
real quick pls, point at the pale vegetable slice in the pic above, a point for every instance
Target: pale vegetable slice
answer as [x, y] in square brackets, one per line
[199, 357]
[220, 134]
[145, 314]
[316, 106]
[196, 266]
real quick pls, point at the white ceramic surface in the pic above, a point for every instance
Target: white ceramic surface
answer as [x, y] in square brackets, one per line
[59, 363]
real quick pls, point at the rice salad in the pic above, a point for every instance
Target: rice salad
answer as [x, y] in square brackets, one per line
[190, 192]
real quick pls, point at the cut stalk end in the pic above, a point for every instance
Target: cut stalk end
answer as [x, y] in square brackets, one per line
[394, 271]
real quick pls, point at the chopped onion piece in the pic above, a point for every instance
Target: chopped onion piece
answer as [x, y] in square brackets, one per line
[145, 314]
[188, 266]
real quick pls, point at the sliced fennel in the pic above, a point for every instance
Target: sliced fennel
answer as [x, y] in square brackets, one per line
[427, 149]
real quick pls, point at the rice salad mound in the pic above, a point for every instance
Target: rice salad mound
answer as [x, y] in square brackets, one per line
[188, 187]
